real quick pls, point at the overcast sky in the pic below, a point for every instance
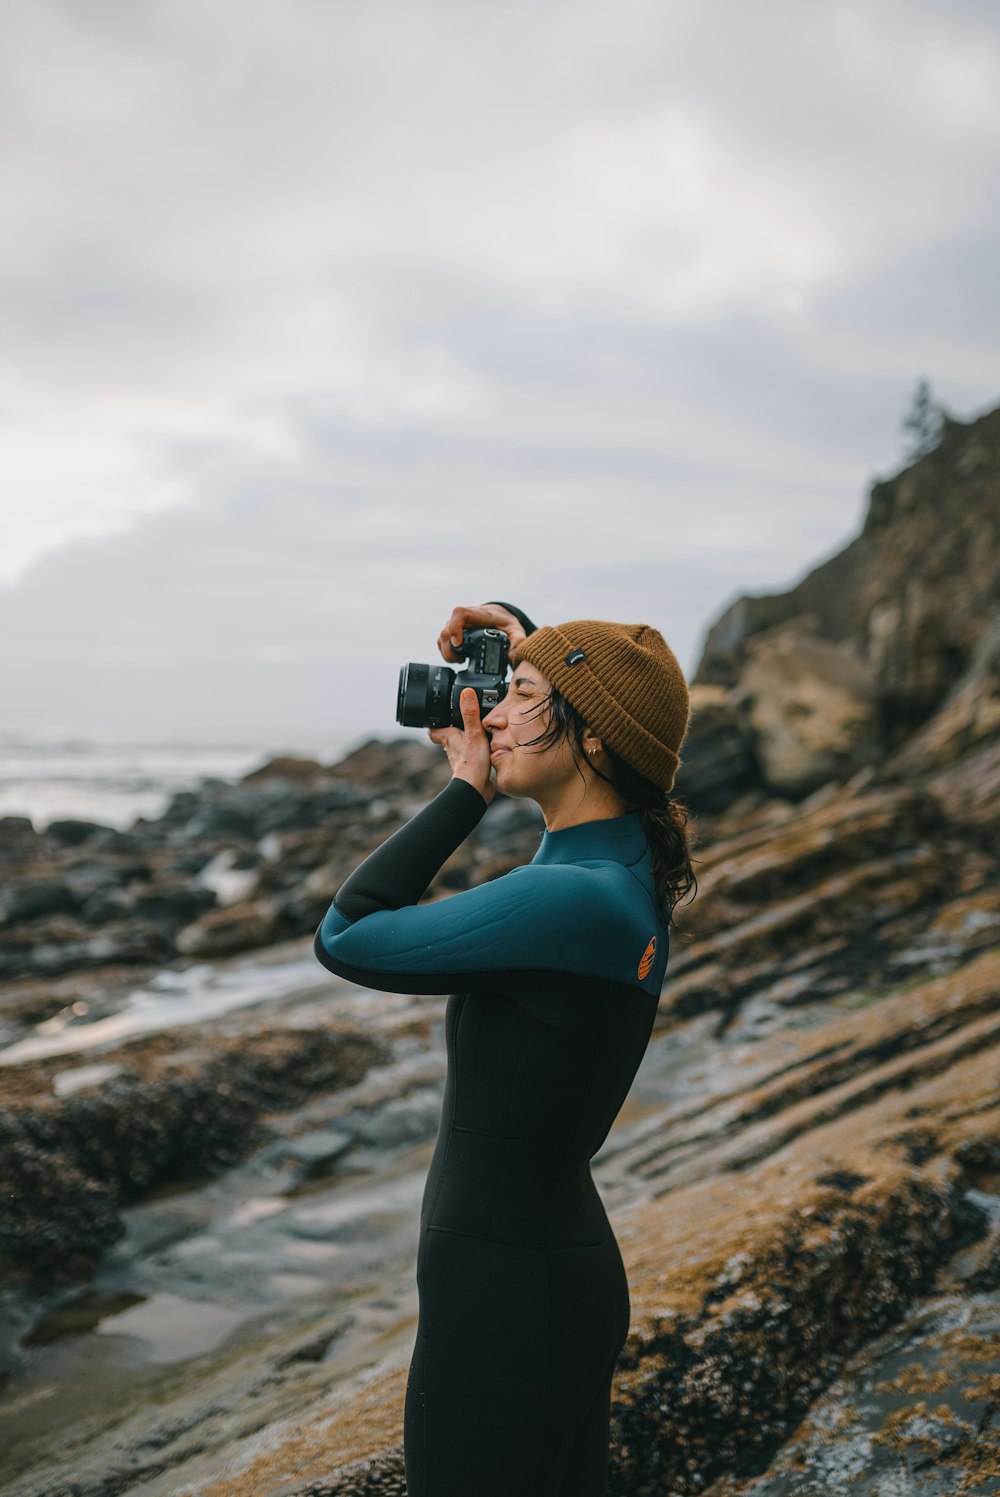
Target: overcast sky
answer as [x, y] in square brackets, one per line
[318, 318]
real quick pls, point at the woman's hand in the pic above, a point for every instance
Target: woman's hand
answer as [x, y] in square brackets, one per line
[487, 616]
[468, 750]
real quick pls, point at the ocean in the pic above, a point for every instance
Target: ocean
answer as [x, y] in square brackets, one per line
[114, 783]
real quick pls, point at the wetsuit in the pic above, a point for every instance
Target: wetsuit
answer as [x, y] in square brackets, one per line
[554, 970]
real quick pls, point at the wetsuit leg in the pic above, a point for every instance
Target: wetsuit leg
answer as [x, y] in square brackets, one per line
[475, 1403]
[515, 1344]
[586, 1471]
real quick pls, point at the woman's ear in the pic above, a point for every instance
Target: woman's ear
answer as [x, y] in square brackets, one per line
[592, 745]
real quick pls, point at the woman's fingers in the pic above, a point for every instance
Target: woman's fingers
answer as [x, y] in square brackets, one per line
[451, 634]
[487, 616]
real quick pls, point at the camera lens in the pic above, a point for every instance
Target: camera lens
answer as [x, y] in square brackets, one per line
[424, 696]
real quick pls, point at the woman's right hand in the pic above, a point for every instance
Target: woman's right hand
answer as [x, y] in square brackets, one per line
[486, 616]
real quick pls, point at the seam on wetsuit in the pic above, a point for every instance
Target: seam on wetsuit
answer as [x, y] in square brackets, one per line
[451, 1130]
[528, 1247]
[549, 1133]
[460, 982]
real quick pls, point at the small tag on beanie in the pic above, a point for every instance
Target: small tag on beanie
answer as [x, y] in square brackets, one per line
[575, 656]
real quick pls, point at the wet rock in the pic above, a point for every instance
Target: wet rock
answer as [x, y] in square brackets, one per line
[56, 1217]
[403, 1120]
[383, 1475]
[225, 932]
[287, 768]
[315, 1152]
[32, 899]
[914, 1414]
[69, 1162]
[72, 832]
[105, 905]
[409, 765]
[170, 903]
[849, 892]
[17, 835]
[61, 944]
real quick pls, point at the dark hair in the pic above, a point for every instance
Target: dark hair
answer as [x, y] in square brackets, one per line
[666, 822]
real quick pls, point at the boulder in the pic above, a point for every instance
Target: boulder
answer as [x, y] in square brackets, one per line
[17, 837]
[72, 832]
[229, 931]
[285, 767]
[718, 760]
[812, 709]
[36, 898]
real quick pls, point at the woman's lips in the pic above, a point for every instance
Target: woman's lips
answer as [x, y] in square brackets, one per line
[496, 753]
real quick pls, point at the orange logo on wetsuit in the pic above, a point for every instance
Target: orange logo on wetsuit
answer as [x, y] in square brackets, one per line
[648, 957]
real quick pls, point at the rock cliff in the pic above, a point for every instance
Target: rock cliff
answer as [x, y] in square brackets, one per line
[840, 670]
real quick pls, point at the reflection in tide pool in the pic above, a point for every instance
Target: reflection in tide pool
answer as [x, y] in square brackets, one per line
[171, 1328]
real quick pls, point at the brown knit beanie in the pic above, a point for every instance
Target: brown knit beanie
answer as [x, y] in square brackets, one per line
[625, 681]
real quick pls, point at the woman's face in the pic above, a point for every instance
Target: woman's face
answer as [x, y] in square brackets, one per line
[540, 772]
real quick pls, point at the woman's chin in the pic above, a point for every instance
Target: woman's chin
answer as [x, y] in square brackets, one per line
[505, 776]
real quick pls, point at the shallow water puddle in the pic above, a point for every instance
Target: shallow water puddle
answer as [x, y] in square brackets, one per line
[171, 1328]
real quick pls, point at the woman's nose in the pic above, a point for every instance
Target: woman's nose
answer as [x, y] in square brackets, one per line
[495, 718]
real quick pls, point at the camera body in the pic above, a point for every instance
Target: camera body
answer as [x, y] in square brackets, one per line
[429, 695]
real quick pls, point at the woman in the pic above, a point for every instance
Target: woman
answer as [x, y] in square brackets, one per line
[555, 970]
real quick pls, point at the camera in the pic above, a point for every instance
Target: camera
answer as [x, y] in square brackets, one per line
[429, 695]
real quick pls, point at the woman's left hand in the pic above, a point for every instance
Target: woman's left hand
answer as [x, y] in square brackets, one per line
[468, 750]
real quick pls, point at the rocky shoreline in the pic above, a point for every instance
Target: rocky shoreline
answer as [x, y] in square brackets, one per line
[805, 1181]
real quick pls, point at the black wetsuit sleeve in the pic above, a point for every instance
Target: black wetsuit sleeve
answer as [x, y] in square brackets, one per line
[522, 618]
[399, 872]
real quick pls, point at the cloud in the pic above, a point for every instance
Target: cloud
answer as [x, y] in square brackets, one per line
[319, 314]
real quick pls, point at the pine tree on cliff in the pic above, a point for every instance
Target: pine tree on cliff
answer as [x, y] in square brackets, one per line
[922, 422]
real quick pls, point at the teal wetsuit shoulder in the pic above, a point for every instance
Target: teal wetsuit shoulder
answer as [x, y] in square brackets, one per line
[583, 906]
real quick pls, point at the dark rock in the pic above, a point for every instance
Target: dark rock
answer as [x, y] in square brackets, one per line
[34, 898]
[56, 1217]
[105, 905]
[17, 835]
[228, 931]
[382, 1475]
[68, 1164]
[310, 1351]
[718, 762]
[60, 944]
[72, 832]
[508, 819]
[317, 1152]
[287, 768]
[170, 904]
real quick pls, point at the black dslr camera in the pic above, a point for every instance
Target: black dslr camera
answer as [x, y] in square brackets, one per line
[429, 695]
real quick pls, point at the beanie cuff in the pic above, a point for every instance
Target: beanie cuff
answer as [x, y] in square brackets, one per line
[567, 665]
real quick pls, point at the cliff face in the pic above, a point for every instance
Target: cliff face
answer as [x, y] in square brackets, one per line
[839, 671]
